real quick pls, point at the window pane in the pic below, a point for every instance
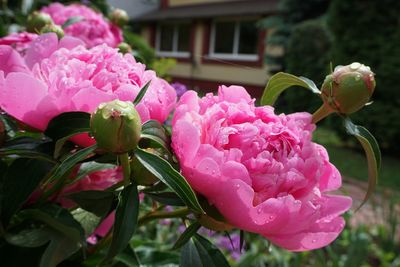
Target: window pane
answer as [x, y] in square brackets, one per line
[184, 37]
[166, 37]
[248, 37]
[224, 34]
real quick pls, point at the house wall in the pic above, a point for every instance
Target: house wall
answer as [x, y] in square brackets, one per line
[172, 3]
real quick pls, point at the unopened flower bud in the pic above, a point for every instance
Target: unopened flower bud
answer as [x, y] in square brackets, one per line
[116, 126]
[37, 20]
[119, 17]
[53, 28]
[124, 48]
[141, 175]
[348, 88]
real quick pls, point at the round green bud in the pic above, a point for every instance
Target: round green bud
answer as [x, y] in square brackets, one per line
[124, 48]
[53, 28]
[348, 88]
[140, 174]
[116, 126]
[37, 20]
[119, 17]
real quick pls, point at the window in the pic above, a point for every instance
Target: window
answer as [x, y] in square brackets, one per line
[173, 40]
[236, 40]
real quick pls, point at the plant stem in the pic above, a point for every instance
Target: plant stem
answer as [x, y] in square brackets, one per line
[321, 113]
[126, 168]
[178, 213]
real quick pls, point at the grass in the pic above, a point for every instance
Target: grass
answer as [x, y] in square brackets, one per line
[352, 163]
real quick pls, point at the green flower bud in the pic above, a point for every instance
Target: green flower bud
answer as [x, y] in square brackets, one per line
[116, 126]
[124, 48]
[53, 28]
[37, 20]
[119, 17]
[141, 175]
[348, 88]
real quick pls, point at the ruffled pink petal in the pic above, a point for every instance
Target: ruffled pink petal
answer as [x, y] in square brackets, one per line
[186, 141]
[233, 94]
[322, 234]
[70, 42]
[21, 94]
[89, 99]
[42, 47]
[11, 61]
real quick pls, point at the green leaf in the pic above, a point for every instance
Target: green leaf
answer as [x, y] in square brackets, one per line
[167, 198]
[153, 130]
[71, 20]
[87, 168]
[126, 217]
[128, 257]
[87, 220]
[64, 232]
[97, 202]
[186, 235]
[21, 179]
[64, 126]
[69, 162]
[141, 94]
[27, 147]
[200, 252]
[28, 238]
[167, 174]
[280, 82]
[372, 152]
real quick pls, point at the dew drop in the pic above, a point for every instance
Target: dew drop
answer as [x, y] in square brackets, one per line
[259, 210]
[313, 241]
[237, 185]
[358, 77]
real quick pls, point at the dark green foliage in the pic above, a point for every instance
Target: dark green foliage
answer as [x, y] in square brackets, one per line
[308, 54]
[369, 32]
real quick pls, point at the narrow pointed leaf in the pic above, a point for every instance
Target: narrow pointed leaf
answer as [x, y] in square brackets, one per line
[190, 256]
[126, 217]
[186, 235]
[97, 202]
[129, 258]
[153, 130]
[241, 240]
[280, 82]
[141, 93]
[71, 20]
[372, 152]
[69, 162]
[167, 198]
[167, 174]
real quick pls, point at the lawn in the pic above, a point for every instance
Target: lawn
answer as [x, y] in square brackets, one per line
[352, 163]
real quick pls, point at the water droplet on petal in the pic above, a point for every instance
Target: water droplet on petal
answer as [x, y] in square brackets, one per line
[259, 210]
[313, 241]
[237, 185]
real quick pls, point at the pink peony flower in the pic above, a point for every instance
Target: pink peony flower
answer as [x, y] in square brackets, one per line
[19, 41]
[93, 29]
[260, 170]
[56, 77]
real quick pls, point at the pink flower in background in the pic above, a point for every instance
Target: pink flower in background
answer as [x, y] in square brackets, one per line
[19, 41]
[56, 77]
[93, 29]
[261, 170]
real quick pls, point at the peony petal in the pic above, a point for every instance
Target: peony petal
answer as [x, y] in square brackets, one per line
[20, 94]
[233, 94]
[186, 141]
[70, 42]
[41, 48]
[11, 61]
[89, 99]
[321, 235]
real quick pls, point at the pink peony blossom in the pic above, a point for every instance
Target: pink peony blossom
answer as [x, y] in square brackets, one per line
[93, 29]
[19, 41]
[260, 170]
[56, 77]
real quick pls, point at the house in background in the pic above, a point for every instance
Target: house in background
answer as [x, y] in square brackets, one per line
[214, 41]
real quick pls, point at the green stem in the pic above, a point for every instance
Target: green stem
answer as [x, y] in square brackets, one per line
[178, 213]
[321, 113]
[126, 168]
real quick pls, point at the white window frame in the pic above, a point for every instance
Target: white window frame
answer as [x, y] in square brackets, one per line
[175, 37]
[235, 53]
